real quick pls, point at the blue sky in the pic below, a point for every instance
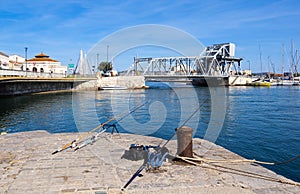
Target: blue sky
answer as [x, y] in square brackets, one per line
[61, 28]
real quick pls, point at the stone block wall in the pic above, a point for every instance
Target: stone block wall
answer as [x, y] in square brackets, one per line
[130, 82]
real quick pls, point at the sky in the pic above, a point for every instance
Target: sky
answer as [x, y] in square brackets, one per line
[61, 28]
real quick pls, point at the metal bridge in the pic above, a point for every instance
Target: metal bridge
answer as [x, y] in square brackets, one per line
[214, 61]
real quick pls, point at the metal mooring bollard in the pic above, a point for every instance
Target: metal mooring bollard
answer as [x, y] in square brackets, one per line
[184, 141]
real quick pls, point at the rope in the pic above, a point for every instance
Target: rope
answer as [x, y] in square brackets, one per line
[225, 161]
[244, 160]
[195, 161]
[287, 161]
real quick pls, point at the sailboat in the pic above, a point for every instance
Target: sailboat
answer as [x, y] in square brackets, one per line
[260, 81]
[291, 81]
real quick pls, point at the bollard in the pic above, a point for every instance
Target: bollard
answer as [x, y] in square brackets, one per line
[184, 141]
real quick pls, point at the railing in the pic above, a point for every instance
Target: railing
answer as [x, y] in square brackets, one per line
[16, 73]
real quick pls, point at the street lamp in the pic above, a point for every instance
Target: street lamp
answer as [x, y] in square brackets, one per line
[97, 63]
[26, 61]
[107, 53]
[97, 59]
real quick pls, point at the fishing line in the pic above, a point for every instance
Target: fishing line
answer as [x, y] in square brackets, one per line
[187, 120]
[96, 128]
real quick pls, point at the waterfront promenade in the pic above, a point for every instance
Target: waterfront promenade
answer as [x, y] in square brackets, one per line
[27, 166]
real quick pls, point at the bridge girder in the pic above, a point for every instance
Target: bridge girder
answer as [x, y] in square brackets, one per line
[214, 60]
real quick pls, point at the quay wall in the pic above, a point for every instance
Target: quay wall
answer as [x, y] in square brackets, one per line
[20, 86]
[239, 80]
[130, 82]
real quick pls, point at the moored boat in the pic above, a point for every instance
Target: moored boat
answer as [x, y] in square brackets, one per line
[260, 83]
[113, 88]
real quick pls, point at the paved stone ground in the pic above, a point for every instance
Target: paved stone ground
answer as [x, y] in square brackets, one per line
[27, 166]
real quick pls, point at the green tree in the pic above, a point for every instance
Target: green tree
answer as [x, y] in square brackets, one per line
[105, 66]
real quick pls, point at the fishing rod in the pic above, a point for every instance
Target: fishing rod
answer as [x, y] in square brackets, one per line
[154, 156]
[74, 142]
[94, 138]
[90, 140]
[187, 120]
[137, 173]
[113, 125]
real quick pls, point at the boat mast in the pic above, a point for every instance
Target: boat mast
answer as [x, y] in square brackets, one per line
[260, 62]
[282, 63]
[297, 62]
[269, 74]
[292, 59]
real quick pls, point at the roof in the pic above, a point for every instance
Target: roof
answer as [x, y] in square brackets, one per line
[1, 53]
[42, 57]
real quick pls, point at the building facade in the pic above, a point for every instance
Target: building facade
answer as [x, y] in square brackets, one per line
[4, 61]
[42, 63]
[16, 62]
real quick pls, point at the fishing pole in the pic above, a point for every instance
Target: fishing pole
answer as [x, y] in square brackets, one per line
[90, 140]
[94, 138]
[73, 143]
[137, 173]
[187, 120]
[147, 160]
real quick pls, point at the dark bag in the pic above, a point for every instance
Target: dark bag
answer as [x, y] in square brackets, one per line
[135, 153]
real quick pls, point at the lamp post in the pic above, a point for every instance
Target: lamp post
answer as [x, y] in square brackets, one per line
[107, 53]
[26, 61]
[97, 63]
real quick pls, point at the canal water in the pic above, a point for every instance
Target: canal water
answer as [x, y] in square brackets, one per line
[255, 122]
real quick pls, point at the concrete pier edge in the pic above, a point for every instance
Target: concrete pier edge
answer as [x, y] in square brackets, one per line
[27, 166]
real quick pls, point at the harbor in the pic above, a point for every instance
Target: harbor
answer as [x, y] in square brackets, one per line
[229, 111]
[246, 109]
[217, 65]
[104, 97]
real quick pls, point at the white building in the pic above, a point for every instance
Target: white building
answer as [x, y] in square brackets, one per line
[16, 62]
[44, 64]
[4, 61]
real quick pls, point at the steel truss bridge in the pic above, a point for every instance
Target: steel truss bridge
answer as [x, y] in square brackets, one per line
[214, 61]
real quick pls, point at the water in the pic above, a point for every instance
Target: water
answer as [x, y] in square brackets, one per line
[259, 123]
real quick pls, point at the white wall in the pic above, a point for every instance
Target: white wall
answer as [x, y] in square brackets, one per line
[4, 62]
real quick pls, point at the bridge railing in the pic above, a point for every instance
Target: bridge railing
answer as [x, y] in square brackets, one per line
[16, 73]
